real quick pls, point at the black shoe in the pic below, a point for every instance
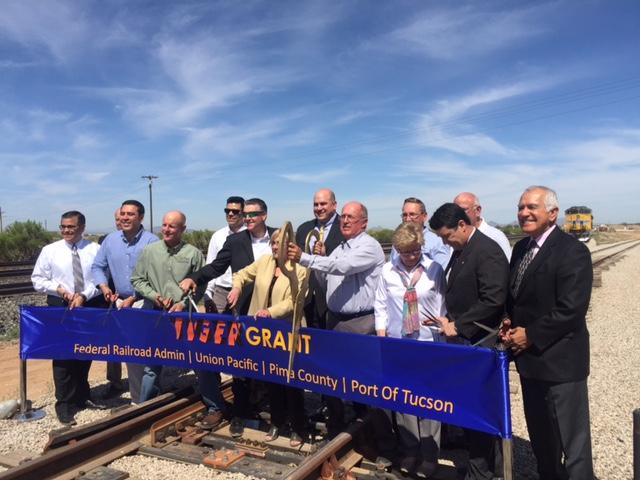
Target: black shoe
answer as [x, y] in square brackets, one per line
[236, 429]
[91, 405]
[408, 465]
[67, 420]
[272, 434]
[114, 390]
[426, 469]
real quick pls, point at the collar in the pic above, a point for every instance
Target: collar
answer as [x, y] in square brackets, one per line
[173, 250]
[329, 222]
[264, 238]
[136, 238]
[540, 239]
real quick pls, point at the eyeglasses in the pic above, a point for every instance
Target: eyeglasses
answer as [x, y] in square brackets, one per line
[253, 214]
[410, 215]
[232, 211]
[68, 227]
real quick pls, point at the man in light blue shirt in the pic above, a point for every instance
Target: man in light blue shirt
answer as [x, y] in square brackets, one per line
[414, 211]
[352, 271]
[117, 258]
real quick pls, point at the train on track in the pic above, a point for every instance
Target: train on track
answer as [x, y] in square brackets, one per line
[578, 221]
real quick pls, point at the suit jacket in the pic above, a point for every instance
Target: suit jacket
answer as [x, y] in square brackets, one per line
[260, 274]
[477, 287]
[551, 305]
[317, 307]
[235, 253]
[331, 242]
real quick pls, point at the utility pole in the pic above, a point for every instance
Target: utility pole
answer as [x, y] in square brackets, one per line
[151, 178]
[1, 214]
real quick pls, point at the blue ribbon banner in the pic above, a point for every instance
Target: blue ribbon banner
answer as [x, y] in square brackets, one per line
[454, 384]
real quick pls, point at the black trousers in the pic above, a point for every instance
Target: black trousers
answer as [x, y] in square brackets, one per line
[557, 417]
[482, 456]
[70, 377]
[285, 400]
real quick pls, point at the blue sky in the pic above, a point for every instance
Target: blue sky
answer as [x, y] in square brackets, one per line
[275, 99]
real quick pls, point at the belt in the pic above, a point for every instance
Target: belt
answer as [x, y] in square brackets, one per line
[343, 317]
[228, 289]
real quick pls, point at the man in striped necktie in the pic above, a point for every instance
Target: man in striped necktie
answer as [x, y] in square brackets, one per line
[63, 272]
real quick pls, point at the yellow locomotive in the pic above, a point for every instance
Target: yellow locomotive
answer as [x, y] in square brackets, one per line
[578, 221]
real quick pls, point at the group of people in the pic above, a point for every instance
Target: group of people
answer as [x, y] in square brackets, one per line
[449, 281]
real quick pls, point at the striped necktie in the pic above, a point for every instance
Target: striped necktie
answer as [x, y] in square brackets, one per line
[321, 234]
[78, 277]
[524, 264]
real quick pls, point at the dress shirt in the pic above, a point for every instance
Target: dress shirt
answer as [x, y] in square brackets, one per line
[160, 269]
[433, 248]
[117, 256]
[352, 272]
[390, 298]
[325, 233]
[497, 236]
[54, 268]
[261, 246]
[215, 245]
[539, 240]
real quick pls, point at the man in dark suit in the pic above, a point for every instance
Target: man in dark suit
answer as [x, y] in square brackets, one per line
[550, 289]
[327, 225]
[240, 250]
[477, 284]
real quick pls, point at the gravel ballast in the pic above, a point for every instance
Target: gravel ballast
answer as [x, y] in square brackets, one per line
[614, 390]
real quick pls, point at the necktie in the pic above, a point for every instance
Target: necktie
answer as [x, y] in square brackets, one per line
[321, 234]
[78, 277]
[524, 263]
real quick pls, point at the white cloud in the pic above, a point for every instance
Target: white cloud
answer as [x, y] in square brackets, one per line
[463, 32]
[446, 126]
[316, 177]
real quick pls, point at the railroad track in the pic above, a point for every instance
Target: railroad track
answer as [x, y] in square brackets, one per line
[167, 428]
[601, 261]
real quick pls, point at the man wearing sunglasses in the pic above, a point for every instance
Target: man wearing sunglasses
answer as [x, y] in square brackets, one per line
[219, 288]
[239, 250]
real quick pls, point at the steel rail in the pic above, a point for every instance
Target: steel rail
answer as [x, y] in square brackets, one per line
[61, 460]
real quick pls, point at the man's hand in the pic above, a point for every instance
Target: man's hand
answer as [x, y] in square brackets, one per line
[519, 341]
[76, 301]
[108, 295]
[381, 333]
[447, 327]
[503, 334]
[294, 252]
[188, 284]
[233, 296]
[162, 302]
[319, 249]
[127, 302]
[177, 307]
[264, 313]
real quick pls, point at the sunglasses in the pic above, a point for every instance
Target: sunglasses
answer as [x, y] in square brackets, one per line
[253, 214]
[232, 211]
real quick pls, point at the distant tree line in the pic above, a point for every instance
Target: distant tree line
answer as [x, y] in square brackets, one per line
[23, 241]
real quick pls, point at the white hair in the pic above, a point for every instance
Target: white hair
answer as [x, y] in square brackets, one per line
[550, 196]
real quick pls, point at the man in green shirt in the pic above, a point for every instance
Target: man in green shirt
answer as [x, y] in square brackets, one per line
[159, 270]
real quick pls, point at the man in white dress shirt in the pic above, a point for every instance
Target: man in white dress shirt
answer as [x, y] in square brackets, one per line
[63, 272]
[471, 205]
[218, 288]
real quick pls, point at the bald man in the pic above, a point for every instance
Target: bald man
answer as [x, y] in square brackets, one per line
[470, 203]
[159, 269]
[327, 225]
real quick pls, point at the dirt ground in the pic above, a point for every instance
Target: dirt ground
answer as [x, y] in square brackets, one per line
[39, 374]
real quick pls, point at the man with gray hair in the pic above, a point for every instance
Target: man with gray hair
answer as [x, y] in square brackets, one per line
[352, 271]
[550, 289]
[470, 203]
